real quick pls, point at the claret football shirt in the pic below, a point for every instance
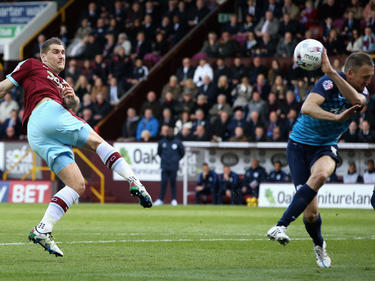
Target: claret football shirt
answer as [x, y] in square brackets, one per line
[38, 81]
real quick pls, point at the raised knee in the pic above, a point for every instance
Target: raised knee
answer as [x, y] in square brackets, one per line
[93, 141]
[92, 144]
[321, 177]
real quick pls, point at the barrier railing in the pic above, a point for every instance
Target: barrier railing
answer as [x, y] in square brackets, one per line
[32, 171]
[99, 194]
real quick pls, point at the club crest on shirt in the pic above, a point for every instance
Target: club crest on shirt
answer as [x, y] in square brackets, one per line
[327, 85]
[365, 91]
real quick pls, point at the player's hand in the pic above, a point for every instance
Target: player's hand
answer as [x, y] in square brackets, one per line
[345, 115]
[199, 188]
[326, 65]
[68, 91]
[70, 99]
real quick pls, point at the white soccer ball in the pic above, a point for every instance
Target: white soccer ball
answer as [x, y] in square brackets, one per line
[308, 54]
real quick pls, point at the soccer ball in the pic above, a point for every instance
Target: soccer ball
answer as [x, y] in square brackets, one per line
[308, 54]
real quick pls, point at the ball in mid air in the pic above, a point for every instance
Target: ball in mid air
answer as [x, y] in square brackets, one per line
[308, 54]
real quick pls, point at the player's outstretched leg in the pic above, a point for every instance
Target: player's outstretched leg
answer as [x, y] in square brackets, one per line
[113, 160]
[322, 258]
[46, 241]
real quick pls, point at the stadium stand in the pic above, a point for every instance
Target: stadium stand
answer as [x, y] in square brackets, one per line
[115, 45]
[186, 57]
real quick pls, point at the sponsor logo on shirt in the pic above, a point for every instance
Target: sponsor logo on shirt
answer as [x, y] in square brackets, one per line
[55, 79]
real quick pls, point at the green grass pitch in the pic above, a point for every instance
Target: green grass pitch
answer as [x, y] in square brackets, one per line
[127, 242]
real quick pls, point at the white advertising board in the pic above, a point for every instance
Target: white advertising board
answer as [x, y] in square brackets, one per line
[143, 159]
[347, 196]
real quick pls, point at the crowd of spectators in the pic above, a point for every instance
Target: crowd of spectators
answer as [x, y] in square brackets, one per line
[106, 52]
[216, 97]
[232, 108]
[221, 100]
[227, 186]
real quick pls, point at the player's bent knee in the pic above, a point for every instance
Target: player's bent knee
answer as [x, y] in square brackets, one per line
[320, 177]
[93, 141]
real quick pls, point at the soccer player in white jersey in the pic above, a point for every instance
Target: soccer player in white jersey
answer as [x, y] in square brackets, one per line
[52, 130]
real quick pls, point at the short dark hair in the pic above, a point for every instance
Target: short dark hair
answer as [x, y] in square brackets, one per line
[356, 60]
[46, 44]
[148, 108]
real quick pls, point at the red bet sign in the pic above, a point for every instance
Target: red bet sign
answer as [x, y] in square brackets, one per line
[30, 192]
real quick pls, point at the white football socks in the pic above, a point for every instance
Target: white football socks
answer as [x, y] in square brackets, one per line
[58, 206]
[113, 160]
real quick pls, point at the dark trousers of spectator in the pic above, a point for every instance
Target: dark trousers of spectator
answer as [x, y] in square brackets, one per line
[206, 191]
[165, 177]
[235, 195]
[255, 191]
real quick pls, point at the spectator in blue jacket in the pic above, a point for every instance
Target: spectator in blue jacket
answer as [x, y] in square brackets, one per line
[207, 184]
[277, 175]
[228, 186]
[170, 150]
[253, 177]
[148, 126]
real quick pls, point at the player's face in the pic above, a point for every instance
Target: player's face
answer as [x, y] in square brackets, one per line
[361, 78]
[55, 57]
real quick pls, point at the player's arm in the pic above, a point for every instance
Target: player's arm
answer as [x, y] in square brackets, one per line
[312, 104]
[5, 86]
[344, 87]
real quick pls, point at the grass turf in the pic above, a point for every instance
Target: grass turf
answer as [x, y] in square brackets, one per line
[127, 242]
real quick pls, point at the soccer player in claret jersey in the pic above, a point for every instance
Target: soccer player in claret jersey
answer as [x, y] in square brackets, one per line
[52, 130]
[312, 148]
